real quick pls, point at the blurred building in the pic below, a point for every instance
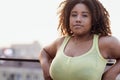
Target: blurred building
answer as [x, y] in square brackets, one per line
[22, 51]
[19, 70]
[14, 70]
[27, 50]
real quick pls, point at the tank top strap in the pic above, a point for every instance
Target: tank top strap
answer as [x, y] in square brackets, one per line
[95, 42]
[65, 42]
[96, 39]
[96, 45]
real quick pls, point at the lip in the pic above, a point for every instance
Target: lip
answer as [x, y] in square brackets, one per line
[78, 26]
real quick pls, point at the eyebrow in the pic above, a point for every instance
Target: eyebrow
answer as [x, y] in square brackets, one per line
[82, 12]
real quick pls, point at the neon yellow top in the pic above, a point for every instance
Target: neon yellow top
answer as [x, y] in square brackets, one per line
[89, 66]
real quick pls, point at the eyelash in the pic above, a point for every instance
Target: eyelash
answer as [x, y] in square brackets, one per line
[85, 15]
[74, 15]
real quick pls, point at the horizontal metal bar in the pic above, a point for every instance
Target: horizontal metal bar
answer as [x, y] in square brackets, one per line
[20, 59]
[36, 60]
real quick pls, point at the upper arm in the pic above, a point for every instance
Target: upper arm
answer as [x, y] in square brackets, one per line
[51, 49]
[112, 45]
[114, 48]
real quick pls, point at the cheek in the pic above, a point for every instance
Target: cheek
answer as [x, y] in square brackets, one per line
[88, 22]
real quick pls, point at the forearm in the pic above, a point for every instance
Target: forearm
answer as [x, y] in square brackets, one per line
[45, 67]
[112, 72]
[45, 62]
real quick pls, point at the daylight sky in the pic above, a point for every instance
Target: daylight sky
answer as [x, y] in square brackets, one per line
[26, 21]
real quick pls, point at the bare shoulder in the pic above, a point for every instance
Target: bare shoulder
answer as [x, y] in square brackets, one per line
[109, 40]
[110, 45]
[52, 48]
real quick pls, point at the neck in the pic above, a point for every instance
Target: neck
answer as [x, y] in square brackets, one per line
[83, 37]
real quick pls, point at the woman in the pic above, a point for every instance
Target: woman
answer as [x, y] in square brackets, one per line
[86, 44]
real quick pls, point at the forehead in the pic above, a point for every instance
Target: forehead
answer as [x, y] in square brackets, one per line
[80, 7]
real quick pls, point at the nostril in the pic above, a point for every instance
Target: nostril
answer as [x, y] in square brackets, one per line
[78, 21]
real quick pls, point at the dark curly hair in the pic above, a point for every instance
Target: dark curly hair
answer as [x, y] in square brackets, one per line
[100, 17]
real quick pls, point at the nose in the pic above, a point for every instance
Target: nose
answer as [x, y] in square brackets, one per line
[78, 19]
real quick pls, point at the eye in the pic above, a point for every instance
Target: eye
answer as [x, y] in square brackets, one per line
[73, 15]
[85, 15]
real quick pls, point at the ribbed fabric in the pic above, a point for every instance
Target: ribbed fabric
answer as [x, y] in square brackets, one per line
[89, 66]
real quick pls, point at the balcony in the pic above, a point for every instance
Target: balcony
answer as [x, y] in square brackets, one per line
[20, 69]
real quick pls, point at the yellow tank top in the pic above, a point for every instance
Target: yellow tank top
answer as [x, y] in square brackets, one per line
[89, 66]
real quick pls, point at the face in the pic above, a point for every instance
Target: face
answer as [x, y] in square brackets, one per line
[80, 19]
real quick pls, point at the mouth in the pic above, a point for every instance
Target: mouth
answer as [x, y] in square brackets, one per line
[77, 26]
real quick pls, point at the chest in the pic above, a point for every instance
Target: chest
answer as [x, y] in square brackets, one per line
[77, 68]
[76, 49]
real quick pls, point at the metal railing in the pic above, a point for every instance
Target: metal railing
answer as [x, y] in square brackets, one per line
[20, 59]
[35, 60]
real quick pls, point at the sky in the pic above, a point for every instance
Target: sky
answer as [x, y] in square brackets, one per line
[26, 21]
